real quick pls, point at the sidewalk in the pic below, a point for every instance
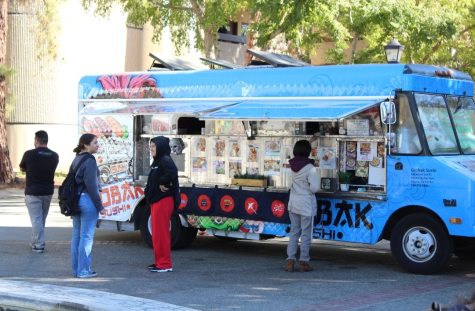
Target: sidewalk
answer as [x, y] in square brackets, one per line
[33, 296]
[18, 293]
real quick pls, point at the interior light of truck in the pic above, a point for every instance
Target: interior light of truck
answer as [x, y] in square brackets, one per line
[455, 220]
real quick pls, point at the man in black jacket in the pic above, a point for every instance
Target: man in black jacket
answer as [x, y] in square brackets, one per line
[162, 194]
[39, 164]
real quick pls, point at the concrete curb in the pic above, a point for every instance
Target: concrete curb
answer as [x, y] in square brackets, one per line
[19, 295]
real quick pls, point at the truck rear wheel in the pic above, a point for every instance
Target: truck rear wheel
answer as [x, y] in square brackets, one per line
[181, 237]
[420, 244]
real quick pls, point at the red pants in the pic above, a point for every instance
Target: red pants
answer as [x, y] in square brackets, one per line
[161, 213]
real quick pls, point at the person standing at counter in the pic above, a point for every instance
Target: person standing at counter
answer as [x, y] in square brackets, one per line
[161, 193]
[302, 206]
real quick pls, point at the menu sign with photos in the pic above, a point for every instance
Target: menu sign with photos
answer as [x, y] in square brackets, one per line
[219, 167]
[199, 164]
[253, 153]
[271, 167]
[362, 169]
[234, 149]
[115, 145]
[219, 148]
[350, 155]
[272, 148]
[364, 151]
[199, 144]
[327, 157]
[235, 168]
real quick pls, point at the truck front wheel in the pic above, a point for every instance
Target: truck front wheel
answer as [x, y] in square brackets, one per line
[181, 237]
[464, 248]
[420, 244]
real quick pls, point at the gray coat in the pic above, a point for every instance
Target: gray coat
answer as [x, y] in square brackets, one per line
[302, 198]
[87, 176]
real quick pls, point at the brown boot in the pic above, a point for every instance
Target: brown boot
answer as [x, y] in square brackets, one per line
[305, 267]
[289, 265]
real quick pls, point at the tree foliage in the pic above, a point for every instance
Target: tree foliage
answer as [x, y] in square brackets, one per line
[439, 32]
[202, 18]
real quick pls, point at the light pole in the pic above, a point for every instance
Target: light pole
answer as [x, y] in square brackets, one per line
[393, 51]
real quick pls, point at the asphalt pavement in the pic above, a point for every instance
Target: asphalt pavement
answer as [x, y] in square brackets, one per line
[210, 275]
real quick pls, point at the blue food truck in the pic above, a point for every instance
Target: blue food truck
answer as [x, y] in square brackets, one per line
[394, 146]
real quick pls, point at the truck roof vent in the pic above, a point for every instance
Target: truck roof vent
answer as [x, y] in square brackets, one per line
[173, 63]
[274, 59]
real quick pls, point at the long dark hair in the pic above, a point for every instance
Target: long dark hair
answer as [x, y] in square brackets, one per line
[85, 139]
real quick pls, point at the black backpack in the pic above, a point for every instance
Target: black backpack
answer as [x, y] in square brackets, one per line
[68, 194]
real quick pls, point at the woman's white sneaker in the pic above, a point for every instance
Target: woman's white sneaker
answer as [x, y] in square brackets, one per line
[157, 269]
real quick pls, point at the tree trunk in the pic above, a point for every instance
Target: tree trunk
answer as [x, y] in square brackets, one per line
[354, 45]
[6, 171]
[209, 43]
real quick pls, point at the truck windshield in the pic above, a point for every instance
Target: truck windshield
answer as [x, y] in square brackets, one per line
[436, 123]
[463, 114]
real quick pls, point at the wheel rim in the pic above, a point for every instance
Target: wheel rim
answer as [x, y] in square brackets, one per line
[419, 244]
[149, 225]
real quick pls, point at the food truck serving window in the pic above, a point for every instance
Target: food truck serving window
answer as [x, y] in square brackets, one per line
[436, 123]
[463, 114]
[315, 109]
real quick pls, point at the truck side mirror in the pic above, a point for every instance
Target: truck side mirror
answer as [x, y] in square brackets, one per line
[388, 112]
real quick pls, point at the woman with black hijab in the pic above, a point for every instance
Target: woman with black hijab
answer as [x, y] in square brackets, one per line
[161, 193]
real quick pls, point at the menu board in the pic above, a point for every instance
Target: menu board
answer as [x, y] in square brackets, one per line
[357, 127]
[115, 145]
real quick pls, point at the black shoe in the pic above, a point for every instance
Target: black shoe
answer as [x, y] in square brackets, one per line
[150, 267]
[157, 269]
[37, 249]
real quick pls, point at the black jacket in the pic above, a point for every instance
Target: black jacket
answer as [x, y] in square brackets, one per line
[163, 172]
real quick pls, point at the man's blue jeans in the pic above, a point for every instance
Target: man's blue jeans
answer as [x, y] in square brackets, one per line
[84, 227]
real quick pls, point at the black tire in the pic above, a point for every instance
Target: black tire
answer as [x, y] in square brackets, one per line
[181, 237]
[226, 239]
[465, 254]
[464, 248]
[145, 227]
[420, 244]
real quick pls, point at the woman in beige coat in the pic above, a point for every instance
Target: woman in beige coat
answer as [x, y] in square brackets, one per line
[302, 205]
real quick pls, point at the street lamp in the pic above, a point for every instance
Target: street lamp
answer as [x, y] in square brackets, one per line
[393, 51]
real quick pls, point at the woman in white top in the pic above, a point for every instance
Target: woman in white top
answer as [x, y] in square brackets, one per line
[302, 205]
